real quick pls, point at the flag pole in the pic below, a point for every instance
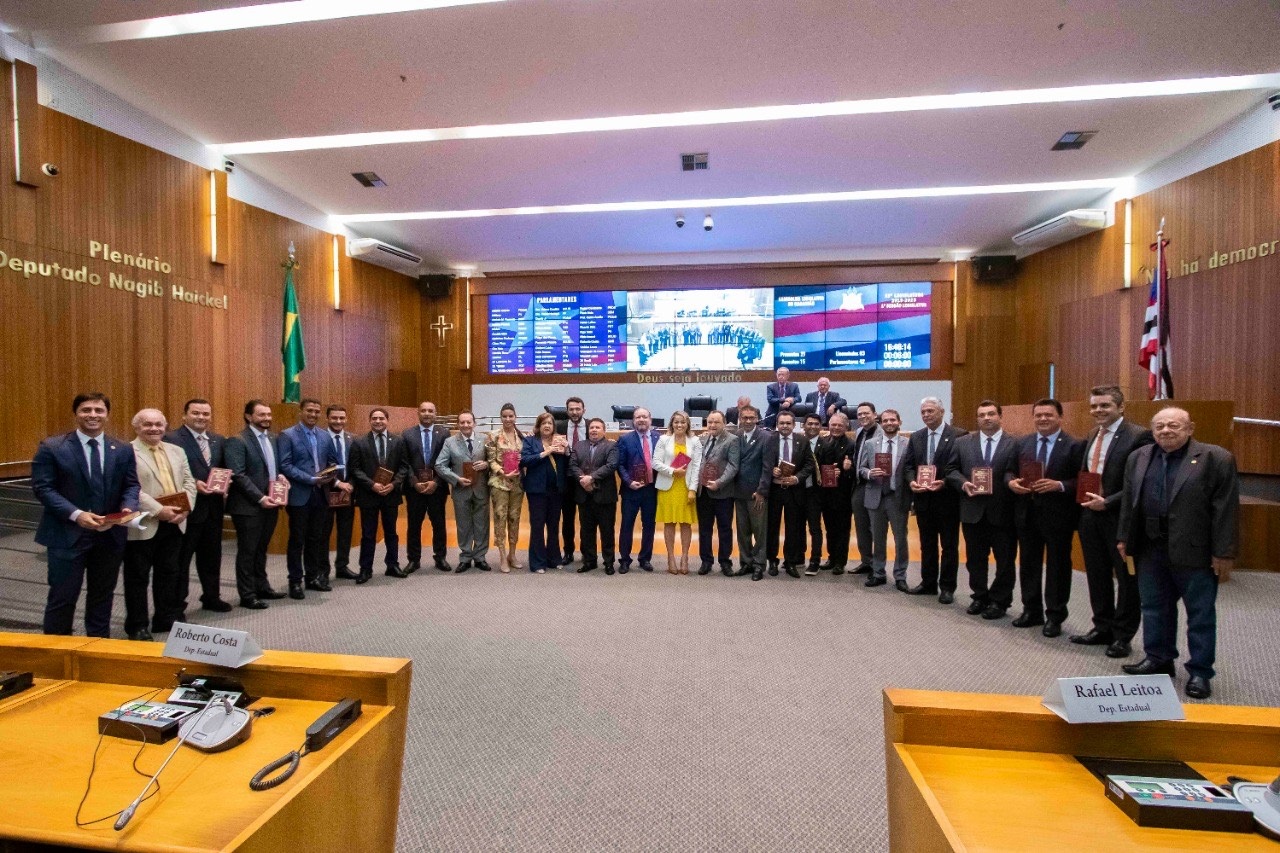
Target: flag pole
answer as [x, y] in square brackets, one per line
[1161, 302]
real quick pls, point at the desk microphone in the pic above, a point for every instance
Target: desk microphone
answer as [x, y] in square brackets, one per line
[127, 814]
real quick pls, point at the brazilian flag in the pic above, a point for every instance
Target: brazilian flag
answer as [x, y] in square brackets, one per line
[295, 359]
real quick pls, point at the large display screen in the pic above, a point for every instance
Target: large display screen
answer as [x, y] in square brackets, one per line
[809, 327]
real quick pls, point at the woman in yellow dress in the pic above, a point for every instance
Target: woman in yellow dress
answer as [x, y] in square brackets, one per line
[505, 491]
[676, 461]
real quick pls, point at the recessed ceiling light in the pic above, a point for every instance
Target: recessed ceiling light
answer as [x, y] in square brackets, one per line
[738, 115]
[1073, 140]
[695, 162]
[741, 201]
[369, 179]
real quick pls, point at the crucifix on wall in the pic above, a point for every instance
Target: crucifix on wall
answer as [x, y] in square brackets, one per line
[441, 325]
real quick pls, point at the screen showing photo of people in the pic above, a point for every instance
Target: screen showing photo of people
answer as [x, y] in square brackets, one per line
[700, 330]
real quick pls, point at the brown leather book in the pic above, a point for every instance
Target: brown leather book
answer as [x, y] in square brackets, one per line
[1087, 481]
[1030, 472]
[121, 517]
[338, 497]
[926, 474]
[982, 480]
[177, 500]
[425, 475]
[279, 491]
[709, 472]
[219, 481]
[786, 469]
[384, 476]
[830, 476]
[510, 461]
[884, 461]
[469, 471]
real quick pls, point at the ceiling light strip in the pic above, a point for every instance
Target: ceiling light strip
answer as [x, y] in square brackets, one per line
[740, 201]
[739, 115]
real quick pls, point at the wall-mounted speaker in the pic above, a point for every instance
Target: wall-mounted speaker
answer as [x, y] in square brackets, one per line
[994, 267]
[438, 286]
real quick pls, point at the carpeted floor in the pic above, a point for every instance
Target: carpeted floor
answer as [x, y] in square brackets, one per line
[651, 712]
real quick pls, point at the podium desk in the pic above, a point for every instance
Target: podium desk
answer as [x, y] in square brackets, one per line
[969, 771]
[343, 797]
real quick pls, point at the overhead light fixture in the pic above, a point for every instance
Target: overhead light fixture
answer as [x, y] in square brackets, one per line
[238, 18]
[738, 115]
[740, 201]
[1073, 140]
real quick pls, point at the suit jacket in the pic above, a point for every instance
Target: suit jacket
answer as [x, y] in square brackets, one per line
[753, 476]
[833, 451]
[250, 482]
[725, 455]
[997, 507]
[454, 455]
[832, 399]
[542, 474]
[565, 428]
[775, 395]
[631, 453]
[801, 457]
[1128, 438]
[206, 506]
[1204, 502]
[1057, 510]
[731, 416]
[858, 438]
[602, 467]
[414, 461]
[943, 452]
[150, 488]
[877, 492]
[363, 464]
[343, 461]
[296, 463]
[665, 453]
[60, 481]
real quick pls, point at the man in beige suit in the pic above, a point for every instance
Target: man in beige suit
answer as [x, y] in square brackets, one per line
[155, 540]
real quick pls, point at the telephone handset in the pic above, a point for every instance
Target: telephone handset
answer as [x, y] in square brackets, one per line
[331, 724]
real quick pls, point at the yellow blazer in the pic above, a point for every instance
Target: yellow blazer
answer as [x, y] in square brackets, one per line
[149, 484]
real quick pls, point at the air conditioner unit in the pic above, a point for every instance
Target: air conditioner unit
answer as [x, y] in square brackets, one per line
[1060, 229]
[384, 255]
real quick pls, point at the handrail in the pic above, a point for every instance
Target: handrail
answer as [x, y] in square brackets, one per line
[1257, 422]
[7, 464]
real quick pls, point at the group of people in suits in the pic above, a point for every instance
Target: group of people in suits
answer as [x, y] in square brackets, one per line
[1160, 526]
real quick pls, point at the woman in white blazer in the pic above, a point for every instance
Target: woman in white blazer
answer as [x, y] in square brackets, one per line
[677, 487]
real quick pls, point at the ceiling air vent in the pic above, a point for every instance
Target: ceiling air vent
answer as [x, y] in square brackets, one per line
[694, 162]
[1060, 229]
[369, 179]
[1073, 140]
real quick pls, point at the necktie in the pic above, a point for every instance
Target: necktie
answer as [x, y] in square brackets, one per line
[470, 450]
[986, 458]
[822, 409]
[786, 449]
[203, 441]
[648, 453]
[574, 443]
[1096, 458]
[1043, 457]
[933, 446]
[163, 472]
[888, 448]
[97, 488]
[340, 448]
[425, 434]
[382, 448]
[315, 452]
[268, 455]
[711, 446]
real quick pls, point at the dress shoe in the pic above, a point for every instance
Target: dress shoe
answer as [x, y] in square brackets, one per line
[345, 574]
[482, 565]
[413, 566]
[1026, 620]
[875, 581]
[756, 575]
[270, 594]
[319, 586]
[825, 567]
[837, 571]
[394, 571]
[623, 568]
[792, 571]
[463, 565]
[364, 577]
[608, 568]
[773, 568]
[1052, 629]
[993, 612]
[253, 604]
[443, 565]
[585, 567]
[704, 569]
[565, 560]
[1093, 638]
[142, 634]
[1198, 687]
[811, 570]
[946, 597]
[1119, 649]
[218, 606]
[901, 586]
[1147, 666]
[295, 592]
[648, 567]
[921, 589]
[975, 607]
[863, 569]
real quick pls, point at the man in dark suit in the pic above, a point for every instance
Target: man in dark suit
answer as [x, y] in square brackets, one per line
[787, 493]
[1178, 522]
[203, 537]
[731, 413]
[575, 430]
[81, 477]
[638, 496]
[937, 507]
[304, 454]
[425, 493]
[987, 519]
[780, 397]
[593, 465]
[834, 451]
[825, 402]
[720, 454]
[378, 501]
[887, 499]
[1045, 512]
[343, 517]
[252, 457]
[751, 493]
[867, 430]
[1113, 592]
[813, 496]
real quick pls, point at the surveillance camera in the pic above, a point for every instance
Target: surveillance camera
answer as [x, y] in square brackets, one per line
[50, 170]
[228, 166]
[679, 220]
[707, 224]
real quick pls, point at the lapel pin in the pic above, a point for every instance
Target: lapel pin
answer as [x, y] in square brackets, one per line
[1194, 461]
